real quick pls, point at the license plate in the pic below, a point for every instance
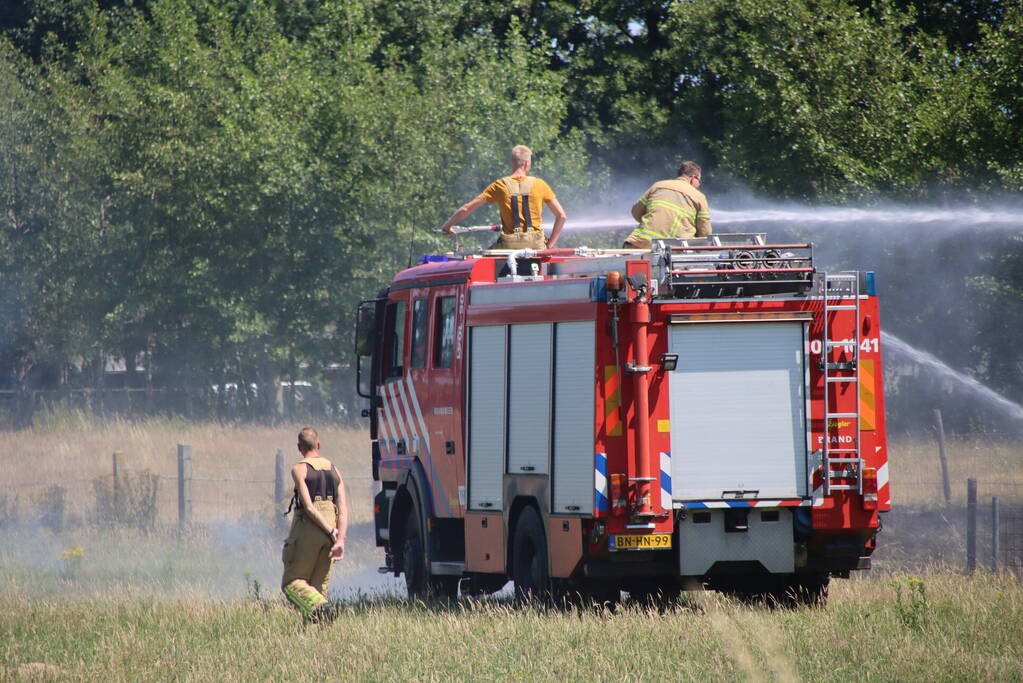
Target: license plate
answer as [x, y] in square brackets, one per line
[640, 541]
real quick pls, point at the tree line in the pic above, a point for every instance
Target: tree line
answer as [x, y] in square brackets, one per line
[204, 188]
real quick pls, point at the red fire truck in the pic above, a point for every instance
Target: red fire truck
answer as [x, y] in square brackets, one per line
[705, 413]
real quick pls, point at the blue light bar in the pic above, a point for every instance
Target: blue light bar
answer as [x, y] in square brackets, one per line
[435, 258]
[871, 286]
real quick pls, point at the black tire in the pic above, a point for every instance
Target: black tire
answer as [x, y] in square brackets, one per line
[529, 559]
[413, 559]
[603, 598]
[420, 584]
[656, 596]
[792, 592]
[806, 591]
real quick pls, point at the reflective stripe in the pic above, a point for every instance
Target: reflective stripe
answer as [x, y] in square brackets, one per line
[307, 598]
[649, 233]
[671, 206]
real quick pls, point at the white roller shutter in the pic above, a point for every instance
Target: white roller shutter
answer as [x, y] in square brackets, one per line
[574, 387]
[529, 398]
[487, 392]
[738, 410]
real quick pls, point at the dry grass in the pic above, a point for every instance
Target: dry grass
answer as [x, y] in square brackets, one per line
[76, 448]
[150, 606]
[965, 629]
[916, 470]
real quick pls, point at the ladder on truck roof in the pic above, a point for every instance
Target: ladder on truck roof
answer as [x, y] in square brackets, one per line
[836, 288]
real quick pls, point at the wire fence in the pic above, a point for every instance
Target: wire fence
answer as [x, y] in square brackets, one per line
[1010, 529]
[985, 517]
[143, 498]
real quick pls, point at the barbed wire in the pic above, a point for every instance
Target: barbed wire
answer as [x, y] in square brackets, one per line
[38, 484]
[163, 477]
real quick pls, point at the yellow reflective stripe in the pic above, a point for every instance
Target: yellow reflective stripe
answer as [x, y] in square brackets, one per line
[868, 401]
[649, 233]
[306, 598]
[703, 214]
[304, 605]
[687, 213]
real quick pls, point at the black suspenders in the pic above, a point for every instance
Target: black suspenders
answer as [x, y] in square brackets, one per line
[526, 213]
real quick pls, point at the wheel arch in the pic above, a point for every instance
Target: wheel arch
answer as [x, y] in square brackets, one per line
[411, 494]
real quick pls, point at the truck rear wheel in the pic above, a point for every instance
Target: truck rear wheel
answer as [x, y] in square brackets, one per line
[655, 595]
[419, 582]
[808, 590]
[529, 559]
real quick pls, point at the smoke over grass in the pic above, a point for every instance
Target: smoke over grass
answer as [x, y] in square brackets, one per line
[50, 503]
[234, 543]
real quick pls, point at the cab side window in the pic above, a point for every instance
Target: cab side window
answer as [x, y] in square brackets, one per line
[394, 334]
[420, 332]
[444, 332]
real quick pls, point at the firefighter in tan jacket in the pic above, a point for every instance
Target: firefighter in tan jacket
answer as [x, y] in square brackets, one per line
[318, 529]
[671, 209]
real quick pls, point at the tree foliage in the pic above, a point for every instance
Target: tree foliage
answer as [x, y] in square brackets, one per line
[205, 187]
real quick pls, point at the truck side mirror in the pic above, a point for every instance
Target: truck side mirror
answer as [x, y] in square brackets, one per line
[365, 346]
[365, 328]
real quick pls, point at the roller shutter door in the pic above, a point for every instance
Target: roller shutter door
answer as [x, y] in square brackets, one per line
[738, 410]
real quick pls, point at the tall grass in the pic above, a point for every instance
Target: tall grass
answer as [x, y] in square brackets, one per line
[968, 629]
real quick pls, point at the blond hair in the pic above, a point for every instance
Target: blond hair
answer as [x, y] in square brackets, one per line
[521, 155]
[308, 440]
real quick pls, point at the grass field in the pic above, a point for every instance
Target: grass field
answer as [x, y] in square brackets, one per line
[92, 602]
[962, 629]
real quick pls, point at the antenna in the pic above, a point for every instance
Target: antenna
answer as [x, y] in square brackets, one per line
[411, 242]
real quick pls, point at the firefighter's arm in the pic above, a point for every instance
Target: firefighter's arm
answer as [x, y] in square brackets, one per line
[463, 213]
[639, 209]
[703, 227]
[298, 474]
[559, 221]
[337, 551]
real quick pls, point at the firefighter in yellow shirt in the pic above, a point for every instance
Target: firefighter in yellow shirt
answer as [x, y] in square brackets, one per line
[520, 198]
[671, 209]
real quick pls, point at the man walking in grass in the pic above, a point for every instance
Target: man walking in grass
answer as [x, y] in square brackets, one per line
[318, 529]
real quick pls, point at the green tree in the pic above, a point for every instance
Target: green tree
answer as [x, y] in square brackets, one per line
[815, 99]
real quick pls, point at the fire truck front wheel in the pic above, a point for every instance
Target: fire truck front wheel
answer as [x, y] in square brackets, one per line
[529, 559]
[421, 585]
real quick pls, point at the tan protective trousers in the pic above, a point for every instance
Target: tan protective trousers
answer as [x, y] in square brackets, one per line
[306, 557]
[526, 239]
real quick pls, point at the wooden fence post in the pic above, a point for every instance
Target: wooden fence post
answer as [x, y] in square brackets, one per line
[184, 486]
[971, 525]
[946, 485]
[995, 523]
[117, 459]
[278, 486]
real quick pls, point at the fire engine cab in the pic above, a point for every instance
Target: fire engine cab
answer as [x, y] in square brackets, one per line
[704, 413]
